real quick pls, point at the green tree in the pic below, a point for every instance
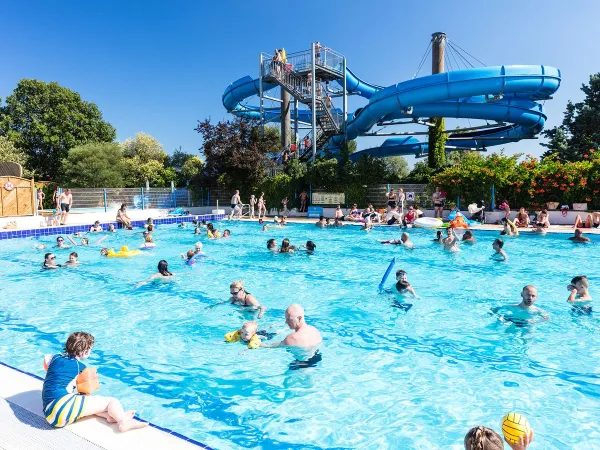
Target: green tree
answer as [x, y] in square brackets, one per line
[145, 160]
[322, 173]
[10, 153]
[45, 120]
[436, 154]
[421, 173]
[93, 165]
[397, 168]
[580, 129]
[369, 170]
[236, 154]
[191, 171]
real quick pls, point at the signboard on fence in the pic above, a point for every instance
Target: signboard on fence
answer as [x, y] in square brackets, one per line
[328, 198]
[410, 196]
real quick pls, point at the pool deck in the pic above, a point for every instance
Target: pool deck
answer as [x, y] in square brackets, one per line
[22, 424]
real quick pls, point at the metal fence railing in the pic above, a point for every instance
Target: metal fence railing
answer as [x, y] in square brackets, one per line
[140, 198]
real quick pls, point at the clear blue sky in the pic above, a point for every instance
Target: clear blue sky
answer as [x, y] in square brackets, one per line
[159, 66]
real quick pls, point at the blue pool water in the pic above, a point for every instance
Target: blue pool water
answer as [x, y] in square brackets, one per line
[389, 378]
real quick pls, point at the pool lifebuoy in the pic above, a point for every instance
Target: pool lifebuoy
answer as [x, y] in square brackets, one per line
[9, 186]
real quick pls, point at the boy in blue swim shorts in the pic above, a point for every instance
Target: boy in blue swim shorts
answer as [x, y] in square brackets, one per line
[62, 403]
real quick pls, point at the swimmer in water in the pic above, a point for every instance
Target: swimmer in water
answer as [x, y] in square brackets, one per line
[310, 247]
[272, 245]
[304, 336]
[239, 296]
[579, 295]
[404, 241]
[500, 254]
[439, 237]
[111, 228]
[523, 312]
[60, 243]
[539, 228]
[226, 233]
[286, 247]
[451, 241]
[73, 259]
[402, 285]
[579, 237]
[468, 237]
[321, 222]
[197, 230]
[162, 275]
[50, 261]
[182, 225]
[96, 228]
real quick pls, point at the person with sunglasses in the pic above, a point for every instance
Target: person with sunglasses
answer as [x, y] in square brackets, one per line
[240, 297]
[60, 243]
[50, 261]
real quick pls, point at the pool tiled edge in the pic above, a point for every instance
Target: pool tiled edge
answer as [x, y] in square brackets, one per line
[163, 429]
[69, 229]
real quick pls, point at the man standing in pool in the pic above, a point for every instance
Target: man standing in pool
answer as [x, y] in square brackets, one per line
[304, 336]
[523, 312]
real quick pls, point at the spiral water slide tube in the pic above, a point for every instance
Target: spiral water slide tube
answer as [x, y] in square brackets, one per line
[507, 95]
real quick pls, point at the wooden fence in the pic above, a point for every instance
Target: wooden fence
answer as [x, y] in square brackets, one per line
[17, 197]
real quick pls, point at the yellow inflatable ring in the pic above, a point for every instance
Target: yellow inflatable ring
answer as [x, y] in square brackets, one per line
[124, 253]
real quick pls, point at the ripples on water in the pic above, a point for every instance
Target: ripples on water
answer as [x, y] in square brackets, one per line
[391, 376]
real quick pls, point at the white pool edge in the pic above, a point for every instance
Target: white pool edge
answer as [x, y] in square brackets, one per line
[24, 390]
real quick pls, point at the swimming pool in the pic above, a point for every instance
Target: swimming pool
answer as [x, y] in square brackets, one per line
[389, 378]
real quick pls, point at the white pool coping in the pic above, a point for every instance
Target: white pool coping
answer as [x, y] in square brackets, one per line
[24, 390]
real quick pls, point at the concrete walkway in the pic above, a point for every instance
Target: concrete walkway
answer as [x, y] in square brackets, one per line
[22, 425]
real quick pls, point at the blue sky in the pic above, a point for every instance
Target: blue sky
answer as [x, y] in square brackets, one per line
[158, 66]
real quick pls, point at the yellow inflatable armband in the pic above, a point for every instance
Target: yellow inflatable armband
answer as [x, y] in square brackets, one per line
[234, 336]
[255, 342]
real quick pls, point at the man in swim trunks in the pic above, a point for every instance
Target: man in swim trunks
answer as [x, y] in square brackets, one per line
[66, 200]
[235, 201]
[393, 216]
[303, 198]
[523, 312]
[404, 241]
[451, 241]
[579, 237]
[304, 336]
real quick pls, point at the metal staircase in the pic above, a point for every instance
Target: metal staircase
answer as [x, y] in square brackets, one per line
[329, 120]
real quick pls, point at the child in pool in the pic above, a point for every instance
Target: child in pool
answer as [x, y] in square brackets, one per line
[402, 285]
[484, 438]
[249, 334]
[580, 297]
[73, 259]
[63, 405]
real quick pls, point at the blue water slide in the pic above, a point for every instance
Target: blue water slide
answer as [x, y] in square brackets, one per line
[504, 94]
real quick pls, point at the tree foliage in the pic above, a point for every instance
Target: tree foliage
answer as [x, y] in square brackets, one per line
[436, 156]
[45, 120]
[145, 160]
[397, 168]
[9, 152]
[580, 128]
[94, 165]
[420, 173]
[236, 155]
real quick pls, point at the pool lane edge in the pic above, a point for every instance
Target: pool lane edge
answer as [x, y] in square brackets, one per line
[164, 430]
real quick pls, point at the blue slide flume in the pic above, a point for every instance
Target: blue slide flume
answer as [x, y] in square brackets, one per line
[507, 95]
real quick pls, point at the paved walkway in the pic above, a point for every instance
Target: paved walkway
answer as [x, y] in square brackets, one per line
[22, 425]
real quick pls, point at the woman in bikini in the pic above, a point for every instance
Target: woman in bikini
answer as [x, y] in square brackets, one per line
[262, 206]
[392, 199]
[240, 297]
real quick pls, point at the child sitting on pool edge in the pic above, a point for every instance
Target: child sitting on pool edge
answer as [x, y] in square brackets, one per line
[63, 405]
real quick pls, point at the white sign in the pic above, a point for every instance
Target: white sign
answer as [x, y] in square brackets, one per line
[410, 196]
[327, 198]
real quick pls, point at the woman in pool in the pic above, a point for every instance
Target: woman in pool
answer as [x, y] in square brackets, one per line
[468, 237]
[60, 243]
[286, 247]
[111, 228]
[123, 217]
[50, 261]
[197, 230]
[239, 296]
[148, 223]
[439, 237]
[96, 228]
[162, 275]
